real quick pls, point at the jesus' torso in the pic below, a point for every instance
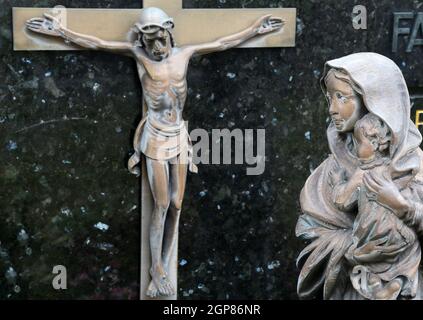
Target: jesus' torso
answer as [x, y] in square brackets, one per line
[164, 86]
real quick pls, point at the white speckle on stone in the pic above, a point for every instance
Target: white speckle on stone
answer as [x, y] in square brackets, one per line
[231, 75]
[132, 208]
[66, 211]
[316, 73]
[28, 251]
[22, 235]
[10, 274]
[273, 265]
[11, 145]
[101, 226]
[307, 135]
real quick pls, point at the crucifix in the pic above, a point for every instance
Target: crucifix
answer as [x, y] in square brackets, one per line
[162, 145]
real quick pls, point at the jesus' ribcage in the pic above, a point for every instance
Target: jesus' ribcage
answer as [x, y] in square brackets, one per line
[165, 99]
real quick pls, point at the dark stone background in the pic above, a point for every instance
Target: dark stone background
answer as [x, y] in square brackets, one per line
[61, 177]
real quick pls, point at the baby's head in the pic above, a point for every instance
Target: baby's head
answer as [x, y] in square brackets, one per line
[372, 137]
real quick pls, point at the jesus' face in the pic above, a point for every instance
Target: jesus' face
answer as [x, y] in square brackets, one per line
[366, 146]
[158, 44]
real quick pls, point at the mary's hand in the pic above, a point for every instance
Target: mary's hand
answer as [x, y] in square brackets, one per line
[377, 251]
[382, 189]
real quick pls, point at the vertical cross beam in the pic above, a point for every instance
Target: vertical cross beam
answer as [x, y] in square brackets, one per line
[199, 26]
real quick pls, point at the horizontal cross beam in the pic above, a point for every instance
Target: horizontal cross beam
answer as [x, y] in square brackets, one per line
[191, 25]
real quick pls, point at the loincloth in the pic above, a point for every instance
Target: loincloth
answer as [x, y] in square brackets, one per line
[160, 142]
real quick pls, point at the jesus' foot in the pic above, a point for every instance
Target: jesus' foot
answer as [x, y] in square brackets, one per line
[152, 291]
[161, 281]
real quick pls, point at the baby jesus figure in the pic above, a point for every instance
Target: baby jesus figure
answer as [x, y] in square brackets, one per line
[382, 254]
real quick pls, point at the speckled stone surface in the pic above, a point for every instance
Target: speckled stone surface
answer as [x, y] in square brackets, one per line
[66, 126]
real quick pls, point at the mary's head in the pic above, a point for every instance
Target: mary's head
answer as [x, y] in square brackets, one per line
[346, 105]
[368, 82]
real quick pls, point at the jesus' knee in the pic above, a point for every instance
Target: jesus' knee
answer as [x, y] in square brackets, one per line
[161, 207]
[176, 204]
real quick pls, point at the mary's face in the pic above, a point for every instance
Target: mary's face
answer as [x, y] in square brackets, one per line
[345, 105]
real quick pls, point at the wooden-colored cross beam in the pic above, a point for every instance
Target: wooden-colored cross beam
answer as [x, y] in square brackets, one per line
[191, 25]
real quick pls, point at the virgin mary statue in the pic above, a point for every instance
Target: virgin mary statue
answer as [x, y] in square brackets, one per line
[347, 257]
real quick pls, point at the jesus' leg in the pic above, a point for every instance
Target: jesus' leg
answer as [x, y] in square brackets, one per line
[178, 176]
[158, 176]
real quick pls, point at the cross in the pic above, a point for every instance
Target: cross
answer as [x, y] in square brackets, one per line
[191, 26]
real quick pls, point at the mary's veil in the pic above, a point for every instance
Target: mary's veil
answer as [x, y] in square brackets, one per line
[385, 94]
